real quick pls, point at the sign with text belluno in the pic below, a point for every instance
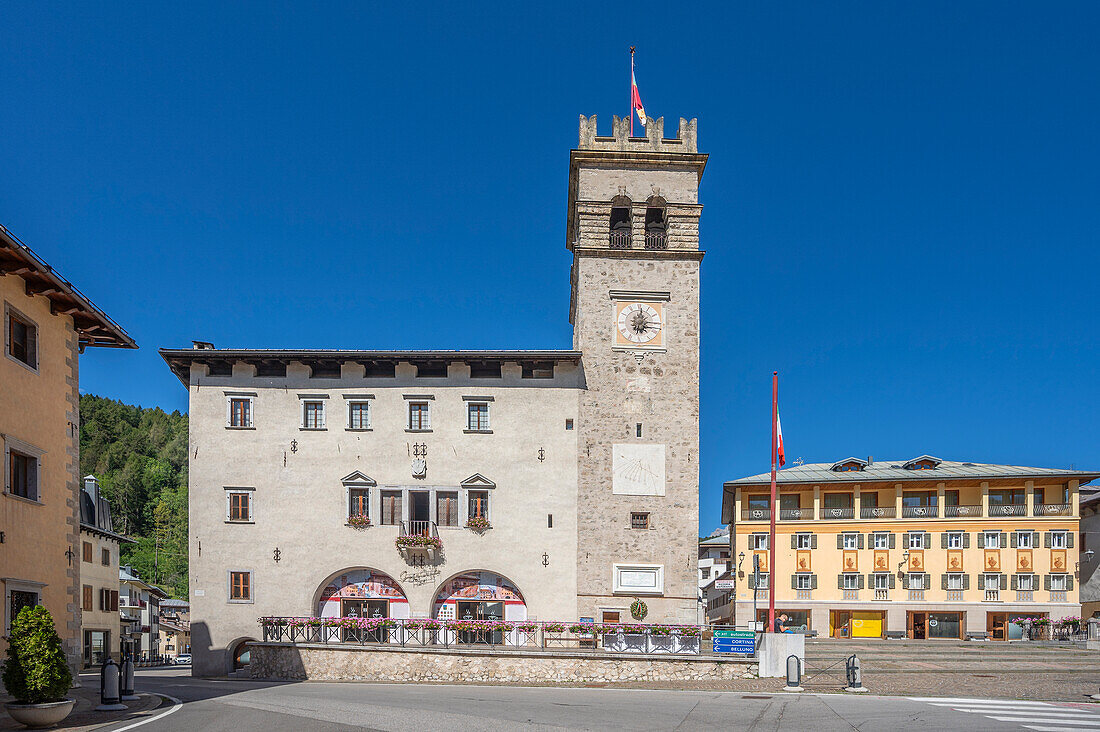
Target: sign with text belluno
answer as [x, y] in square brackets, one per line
[734, 641]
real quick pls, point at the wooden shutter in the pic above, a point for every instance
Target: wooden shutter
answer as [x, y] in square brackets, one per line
[1015, 579]
[794, 545]
[87, 598]
[752, 580]
[114, 601]
[966, 582]
[1069, 539]
[840, 541]
[794, 581]
[1003, 542]
[893, 541]
[88, 551]
[1013, 540]
[1004, 581]
[813, 581]
[860, 545]
[905, 581]
[943, 544]
[892, 581]
[927, 540]
[1046, 582]
[943, 581]
[1069, 581]
[1046, 540]
[862, 584]
[905, 541]
[813, 541]
[966, 540]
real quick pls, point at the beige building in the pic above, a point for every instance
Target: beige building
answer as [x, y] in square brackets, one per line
[99, 557]
[47, 325]
[920, 548]
[139, 612]
[540, 485]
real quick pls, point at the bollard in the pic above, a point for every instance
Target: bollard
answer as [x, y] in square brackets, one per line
[126, 674]
[109, 700]
[794, 673]
[854, 671]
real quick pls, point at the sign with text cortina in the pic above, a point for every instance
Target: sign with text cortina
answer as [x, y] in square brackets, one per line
[734, 641]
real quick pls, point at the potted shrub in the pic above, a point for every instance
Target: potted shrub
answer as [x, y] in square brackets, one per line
[36, 672]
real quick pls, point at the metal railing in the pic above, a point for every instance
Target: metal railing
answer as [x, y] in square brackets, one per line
[656, 240]
[956, 511]
[920, 511]
[756, 514]
[796, 514]
[878, 512]
[658, 639]
[1053, 509]
[1009, 509]
[619, 240]
[837, 513]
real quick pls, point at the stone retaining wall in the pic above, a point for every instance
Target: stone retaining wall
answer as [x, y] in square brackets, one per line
[328, 663]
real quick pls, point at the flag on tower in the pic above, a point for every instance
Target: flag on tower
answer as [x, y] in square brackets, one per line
[635, 97]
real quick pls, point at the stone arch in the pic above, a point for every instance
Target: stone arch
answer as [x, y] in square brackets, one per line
[360, 584]
[478, 586]
[238, 655]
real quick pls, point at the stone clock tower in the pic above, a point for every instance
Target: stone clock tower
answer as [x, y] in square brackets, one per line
[634, 232]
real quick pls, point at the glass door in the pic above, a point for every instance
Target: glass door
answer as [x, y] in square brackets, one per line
[352, 609]
[377, 609]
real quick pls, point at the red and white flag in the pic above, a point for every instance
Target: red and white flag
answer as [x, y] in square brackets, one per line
[779, 439]
[635, 97]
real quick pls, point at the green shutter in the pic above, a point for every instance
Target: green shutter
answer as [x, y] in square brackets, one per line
[1046, 540]
[943, 581]
[893, 541]
[813, 581]
[1046, 582]
[891, 581]
[1003, 541]
[1013, 539]
[966, 540]
[794, 541]
[794, 581]
[840, 541]
[1069, 581]
[1004, 581]
[861, 583]
[1015, 577]
[1069, 539]
[966, 582]
[813, 541]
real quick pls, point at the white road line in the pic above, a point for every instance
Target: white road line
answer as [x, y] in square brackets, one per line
[163, 714]
[949, 700]
[1044, 728]
[1057, 720]
[1024, 710]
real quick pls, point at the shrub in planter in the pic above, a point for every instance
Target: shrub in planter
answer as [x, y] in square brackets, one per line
[36, 671]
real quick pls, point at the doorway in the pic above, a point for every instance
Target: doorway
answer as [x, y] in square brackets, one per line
[918, 626]
[932, 626]
[473, 610]
[420, 513]
[355, 608]
[841, 623]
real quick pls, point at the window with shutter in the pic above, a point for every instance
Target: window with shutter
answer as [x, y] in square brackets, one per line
[391, 507]
[87, 599]
[87, 551]
[446, 508]
[22, 338]
[114, 601]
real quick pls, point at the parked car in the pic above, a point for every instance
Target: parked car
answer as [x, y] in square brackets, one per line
[183, 659]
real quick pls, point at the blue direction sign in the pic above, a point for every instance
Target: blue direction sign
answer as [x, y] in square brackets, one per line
[734, 641]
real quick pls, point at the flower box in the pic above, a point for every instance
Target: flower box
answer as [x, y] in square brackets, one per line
[478, 523]
[415, 541]
[358, 521]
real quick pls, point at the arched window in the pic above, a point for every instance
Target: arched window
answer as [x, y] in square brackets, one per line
[619, 235]
[656, 231]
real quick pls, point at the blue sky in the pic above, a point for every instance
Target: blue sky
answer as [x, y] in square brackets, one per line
[900, 205]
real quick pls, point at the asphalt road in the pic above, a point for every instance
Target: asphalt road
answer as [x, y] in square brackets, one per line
[240, 706]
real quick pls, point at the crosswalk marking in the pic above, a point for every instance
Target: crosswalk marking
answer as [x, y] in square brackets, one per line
[1034, 715]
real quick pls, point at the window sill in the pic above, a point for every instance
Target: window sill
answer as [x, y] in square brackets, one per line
[24, 364]
[237, 427]
[358, 429]
[478, 432]
[240, 602]
[312, 429]
[32, 501]
[412, 430]
[231, 521]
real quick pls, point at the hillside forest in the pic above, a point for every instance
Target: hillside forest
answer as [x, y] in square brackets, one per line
[139, 456]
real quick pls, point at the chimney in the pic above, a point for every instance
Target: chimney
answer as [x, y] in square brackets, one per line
[91, 487]
[202, 345]
[870, 460]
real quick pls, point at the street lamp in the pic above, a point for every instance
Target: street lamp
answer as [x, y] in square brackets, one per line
[740, 561]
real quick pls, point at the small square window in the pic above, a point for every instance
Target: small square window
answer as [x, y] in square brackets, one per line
[851, 541]
[991, 540]
[916, 541]
[1025, 582]
[955, 541]
[240, 586]
[758, 541]
[639, 520]
[1057, 540]
[882, 581]
[568, 424]
[240, 506]
[851, 581]
[954, 581]
[1023, 540]
[240, 412]
[803, 582]
[916, 581]
[803, 541]
[1057, 582]
[882, 541]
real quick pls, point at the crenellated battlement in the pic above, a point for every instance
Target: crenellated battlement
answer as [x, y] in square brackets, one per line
[654, 140]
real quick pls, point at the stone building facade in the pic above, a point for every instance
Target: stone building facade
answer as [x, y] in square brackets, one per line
[540, 485]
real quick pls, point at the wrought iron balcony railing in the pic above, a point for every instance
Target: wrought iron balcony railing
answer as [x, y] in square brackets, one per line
[1053, 509]
[796, 514]
[837, 513]
[874, 512]
[756, 514]
[656, 240]
[619, 240]
[1009, 509]
[957, 511]
[920, 511]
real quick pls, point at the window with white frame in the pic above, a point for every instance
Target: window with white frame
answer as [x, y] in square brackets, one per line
[1023, 540]
[359, 501]
[803, 541]
[478, 504]
[1057, 583]
[477, 416]
[1057, 540]
[240, 586]
[21, 338]
[954, 582]
[851, 581]
[991, 539]
[803, 582]
[358, 414]
[955, 541]
[882, 541]
[991, 581]
[850, 541]
[758, 541]
[1025, 582]
[420, 416]
[239, 411]
[916, 541]
[238, 504]
[916, 581]
[882, 581]
[446, 508]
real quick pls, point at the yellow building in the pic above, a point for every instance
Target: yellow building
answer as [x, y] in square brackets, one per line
[923, 548]
[47, 325]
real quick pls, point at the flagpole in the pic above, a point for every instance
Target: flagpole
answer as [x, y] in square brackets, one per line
[631, 113]
[774, 507]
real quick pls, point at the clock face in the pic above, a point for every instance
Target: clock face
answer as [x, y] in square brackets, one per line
[638, 323]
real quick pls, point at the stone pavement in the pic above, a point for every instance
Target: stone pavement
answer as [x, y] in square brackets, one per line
[84, 717]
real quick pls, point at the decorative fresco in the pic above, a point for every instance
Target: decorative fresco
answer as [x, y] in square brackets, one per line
[954, 560]
[851, 562]
[362, 584]
[882, 560]
[1023, 561]
[916, 561]
[475, 586]
[804, 561]
[1058, 560]
[992, 560]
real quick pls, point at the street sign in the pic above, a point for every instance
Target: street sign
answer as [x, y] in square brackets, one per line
[723, 584]
[734, 641]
